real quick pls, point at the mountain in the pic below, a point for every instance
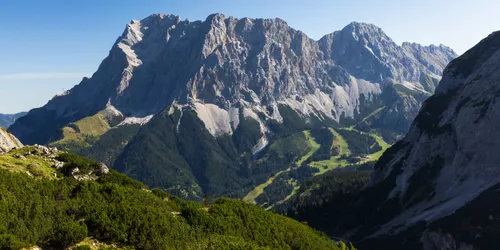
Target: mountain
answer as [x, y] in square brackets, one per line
[55, 200]
[434, 189]
[7, 120]
[211, 107]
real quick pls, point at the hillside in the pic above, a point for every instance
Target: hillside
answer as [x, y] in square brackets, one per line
[195, 107]
[55, 200]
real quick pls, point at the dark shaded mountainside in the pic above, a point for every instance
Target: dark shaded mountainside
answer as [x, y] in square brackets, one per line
[438, 188]
[210, 107]
[51, 199]
[8, 119]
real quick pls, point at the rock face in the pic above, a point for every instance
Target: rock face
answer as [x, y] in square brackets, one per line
[207, 94]
[440, 176]
[8, 141]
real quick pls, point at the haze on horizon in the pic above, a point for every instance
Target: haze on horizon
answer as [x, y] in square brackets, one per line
[51, 45]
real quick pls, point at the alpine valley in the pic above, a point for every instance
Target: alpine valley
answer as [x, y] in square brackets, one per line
[243, 108]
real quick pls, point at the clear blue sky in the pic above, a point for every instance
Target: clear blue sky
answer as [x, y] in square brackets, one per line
[47, 46]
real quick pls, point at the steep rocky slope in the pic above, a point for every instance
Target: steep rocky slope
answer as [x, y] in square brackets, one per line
[192, 104]
[436, 188]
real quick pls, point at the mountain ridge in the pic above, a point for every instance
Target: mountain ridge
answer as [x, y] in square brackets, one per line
[214, 23]
[8, 119]
[240, 84]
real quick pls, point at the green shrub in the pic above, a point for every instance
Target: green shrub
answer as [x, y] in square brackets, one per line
[81, 248]
[8, 241]
[69, 232]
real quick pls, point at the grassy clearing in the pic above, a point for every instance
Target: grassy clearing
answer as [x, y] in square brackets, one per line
[258, 190]
[296, 188]
[323, 166]
[78, 132]
[295, 145]
[35, 165]
[375, 156]
[334, 161]
[314, 146]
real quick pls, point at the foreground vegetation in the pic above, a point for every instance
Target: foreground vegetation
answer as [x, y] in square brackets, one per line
[59, 212]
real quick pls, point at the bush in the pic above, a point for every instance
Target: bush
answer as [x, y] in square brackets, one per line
[69, 233]
[8, 241]
[81, 248]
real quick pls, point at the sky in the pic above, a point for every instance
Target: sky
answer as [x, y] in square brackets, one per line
[48, 46]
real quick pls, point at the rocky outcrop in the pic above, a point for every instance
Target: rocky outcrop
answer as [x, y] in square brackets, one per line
[8, 141]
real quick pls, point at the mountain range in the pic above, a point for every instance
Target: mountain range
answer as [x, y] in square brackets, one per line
[221, 106]
[8, 119]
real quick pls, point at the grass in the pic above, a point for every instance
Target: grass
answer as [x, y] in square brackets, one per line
[296, 188]
[323, 166]
[35, 165]
[258, 190]
[314, 147]
[78, 132]
[296, 145]
[334, 161]
[375, 156]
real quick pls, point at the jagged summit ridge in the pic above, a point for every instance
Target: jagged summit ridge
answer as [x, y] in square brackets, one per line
[233, 63]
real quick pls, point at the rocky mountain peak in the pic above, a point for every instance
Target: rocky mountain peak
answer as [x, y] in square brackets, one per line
[366, 33]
